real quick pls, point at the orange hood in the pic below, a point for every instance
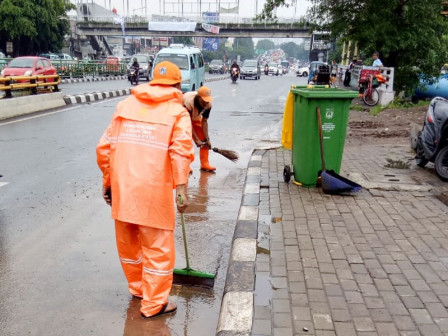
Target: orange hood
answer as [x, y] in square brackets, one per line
[156, 93]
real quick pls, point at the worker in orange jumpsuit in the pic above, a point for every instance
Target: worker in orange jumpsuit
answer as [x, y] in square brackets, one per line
[145, 153]
[199, 105]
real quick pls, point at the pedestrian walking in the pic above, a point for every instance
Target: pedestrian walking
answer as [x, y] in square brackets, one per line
[144, 153]
[199, 104]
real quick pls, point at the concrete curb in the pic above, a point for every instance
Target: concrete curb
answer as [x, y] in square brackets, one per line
[89, 97]
[237, 307]
[14, 107]
[93, 79]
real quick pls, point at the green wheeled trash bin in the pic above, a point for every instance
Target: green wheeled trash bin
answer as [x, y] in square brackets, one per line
[334, 107]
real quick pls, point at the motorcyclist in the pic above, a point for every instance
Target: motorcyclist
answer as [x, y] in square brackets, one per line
[136, 66]
[234, 65]
[266, 68]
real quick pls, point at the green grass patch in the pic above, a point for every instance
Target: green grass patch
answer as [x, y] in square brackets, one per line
[356, 108]
[403, 104]
[376, 110]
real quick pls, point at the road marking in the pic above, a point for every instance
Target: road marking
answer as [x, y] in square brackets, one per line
[2, 184]
[55, 112]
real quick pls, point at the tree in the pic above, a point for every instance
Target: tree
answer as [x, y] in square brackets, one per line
[411, 36]
[265, 45]
[244, 47]
[34, 26]
[186, 40]
[290, 48]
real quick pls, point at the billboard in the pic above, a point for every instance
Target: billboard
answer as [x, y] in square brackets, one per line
[210, 17]
[210, 44]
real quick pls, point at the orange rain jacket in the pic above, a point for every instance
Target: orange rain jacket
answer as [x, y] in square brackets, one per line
[144, 153]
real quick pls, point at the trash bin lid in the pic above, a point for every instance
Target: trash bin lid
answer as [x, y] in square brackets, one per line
[324, 92]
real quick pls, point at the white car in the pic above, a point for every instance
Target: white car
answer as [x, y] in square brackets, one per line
[273, 69]
[303, 71]
[280, 69]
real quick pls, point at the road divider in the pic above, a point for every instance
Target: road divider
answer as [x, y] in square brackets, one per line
[18, 106]
[93, 79]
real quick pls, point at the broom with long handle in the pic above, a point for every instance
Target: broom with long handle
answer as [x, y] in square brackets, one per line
[188, 275]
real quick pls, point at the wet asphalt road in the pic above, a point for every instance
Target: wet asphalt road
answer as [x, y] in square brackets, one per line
[59, 270]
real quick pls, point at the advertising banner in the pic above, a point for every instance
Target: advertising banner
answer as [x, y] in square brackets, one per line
[210, 17]
[210, 44]
[210, 28]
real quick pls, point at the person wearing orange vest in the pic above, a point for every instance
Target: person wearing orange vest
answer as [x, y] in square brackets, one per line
[145, 153]
[199, 105]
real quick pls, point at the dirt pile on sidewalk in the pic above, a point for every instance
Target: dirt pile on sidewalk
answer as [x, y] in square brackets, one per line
[389, 126]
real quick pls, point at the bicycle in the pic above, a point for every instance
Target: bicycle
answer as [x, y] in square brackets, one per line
[371, 96]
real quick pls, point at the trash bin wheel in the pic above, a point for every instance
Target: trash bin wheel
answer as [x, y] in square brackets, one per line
[287, 174]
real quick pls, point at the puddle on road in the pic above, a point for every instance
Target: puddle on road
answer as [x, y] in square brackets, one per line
[192, 303]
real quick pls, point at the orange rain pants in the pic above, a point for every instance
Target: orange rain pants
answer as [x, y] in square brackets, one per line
[147, 256]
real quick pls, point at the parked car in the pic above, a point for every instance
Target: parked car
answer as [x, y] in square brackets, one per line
[65, 57]
[250, 69]
[29, 66]
[145, 62]
[303, 72]
[50, 56]
[273, 69]
[3, 60]
[217, 66]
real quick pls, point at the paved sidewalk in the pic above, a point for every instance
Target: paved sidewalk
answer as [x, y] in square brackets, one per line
[373, 263]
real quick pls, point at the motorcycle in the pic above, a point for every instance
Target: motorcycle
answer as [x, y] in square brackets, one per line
[431, 143]
[234, 75]
[266, 70]
[133, 75]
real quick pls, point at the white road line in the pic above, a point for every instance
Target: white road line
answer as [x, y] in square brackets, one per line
[55, 112]
[2, 184]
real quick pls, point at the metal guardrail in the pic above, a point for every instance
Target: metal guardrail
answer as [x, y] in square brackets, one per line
[75, 69]
[10, 83]
[81, 68]
[185, 18]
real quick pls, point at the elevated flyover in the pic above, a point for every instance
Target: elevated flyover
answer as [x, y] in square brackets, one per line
[243, 28]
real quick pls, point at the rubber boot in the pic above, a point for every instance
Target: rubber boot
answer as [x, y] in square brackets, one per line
[205, 165]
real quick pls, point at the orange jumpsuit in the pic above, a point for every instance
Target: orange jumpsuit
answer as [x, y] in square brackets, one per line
[144, 153]
[196, 122]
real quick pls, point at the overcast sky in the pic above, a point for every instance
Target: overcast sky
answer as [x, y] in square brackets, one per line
[248, 8]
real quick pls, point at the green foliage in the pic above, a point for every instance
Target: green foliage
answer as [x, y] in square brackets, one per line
[290, 48]
[410, 35]
[34, 26]
[265, 45]
[244, 47]
[186, 40]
